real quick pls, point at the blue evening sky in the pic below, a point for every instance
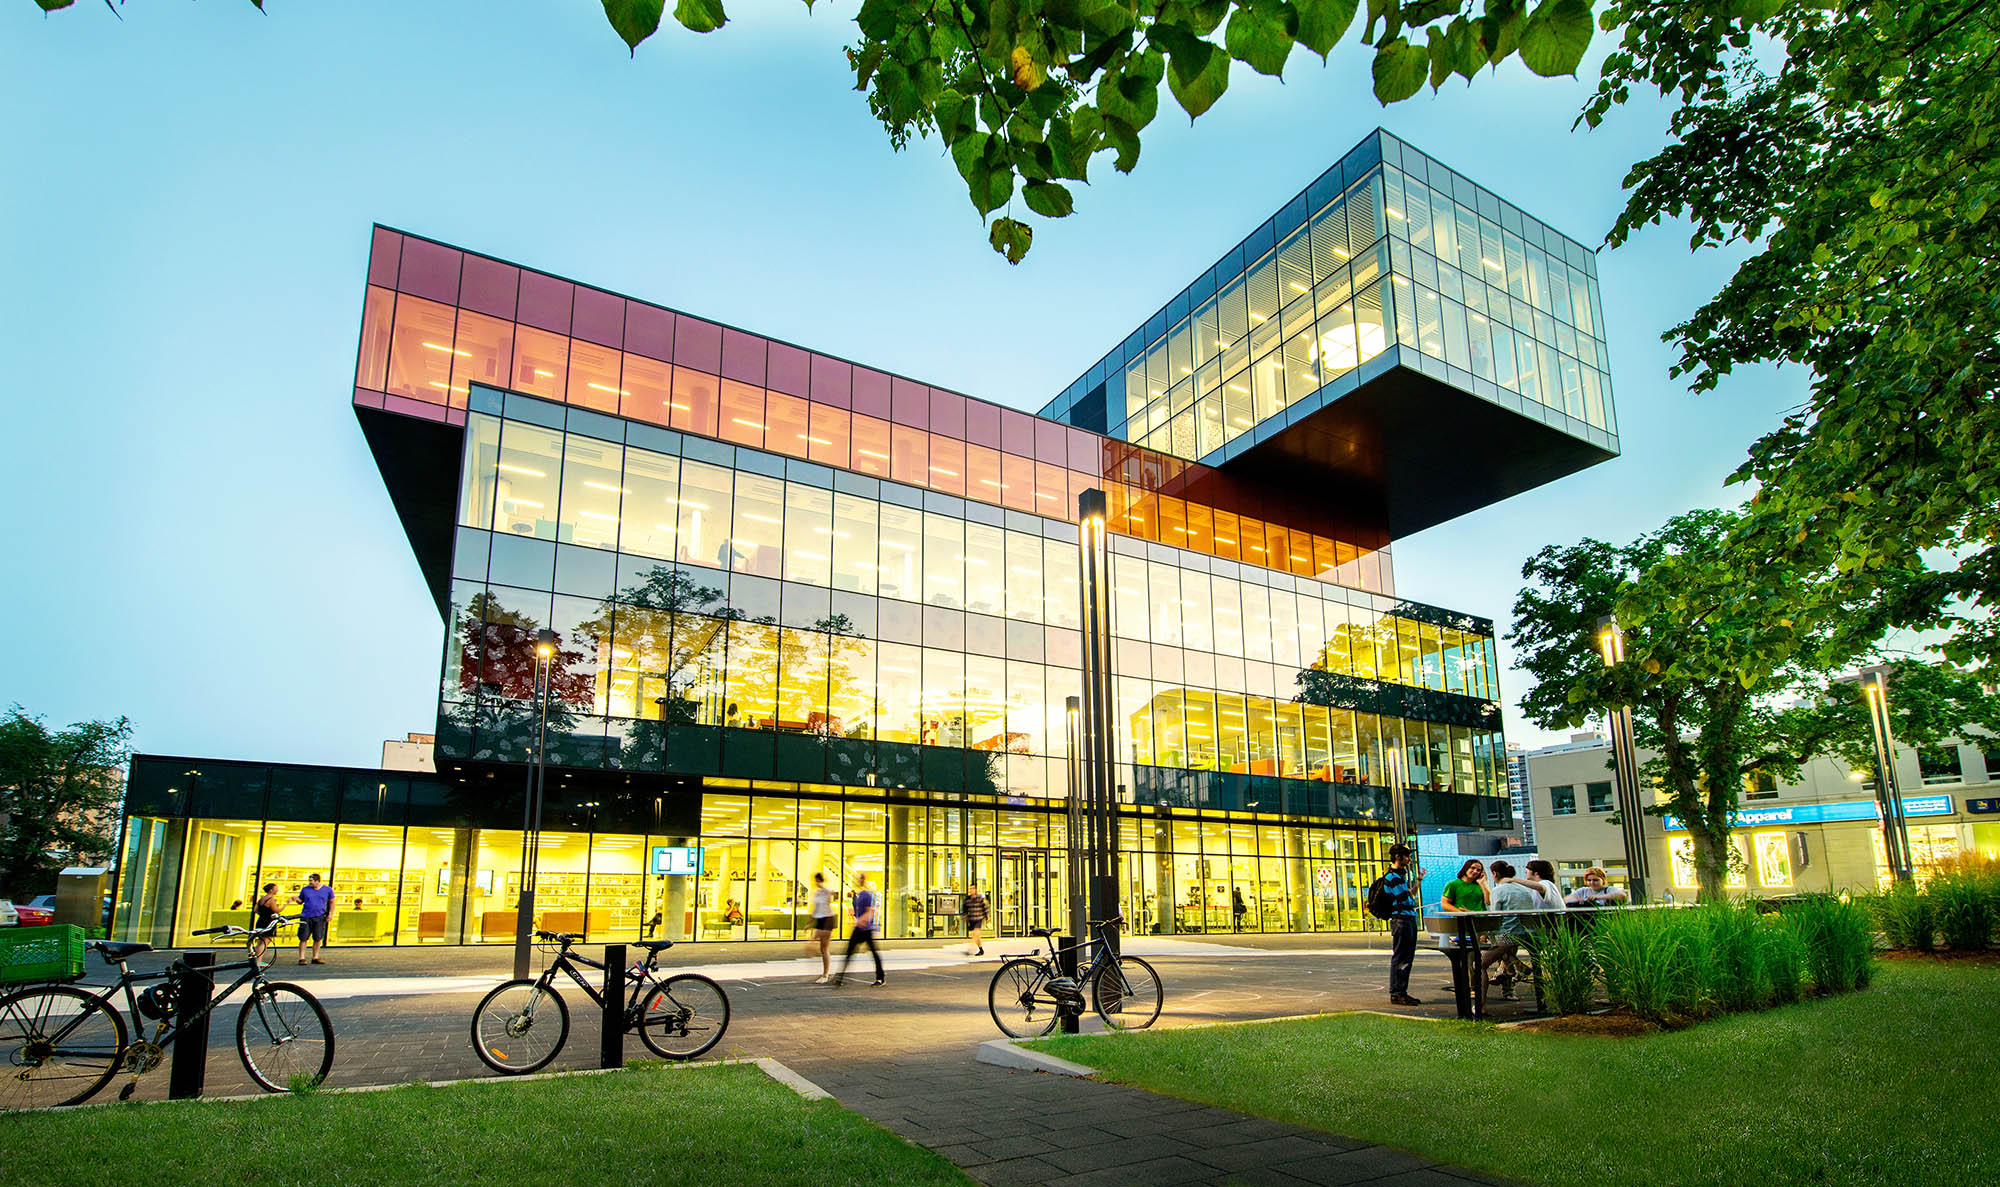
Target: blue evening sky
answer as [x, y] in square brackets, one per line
[194, 530]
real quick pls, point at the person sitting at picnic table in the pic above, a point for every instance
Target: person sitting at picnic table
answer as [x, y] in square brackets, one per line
[1509, 894]
[1540, 877]
[1467, 892]
[1595, 892]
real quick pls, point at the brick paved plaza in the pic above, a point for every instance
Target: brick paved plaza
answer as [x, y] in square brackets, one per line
[903, 1054]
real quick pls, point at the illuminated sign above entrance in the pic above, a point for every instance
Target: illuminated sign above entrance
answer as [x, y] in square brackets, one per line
[1913, 805]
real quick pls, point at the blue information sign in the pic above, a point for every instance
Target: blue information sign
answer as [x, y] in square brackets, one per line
[677, 859]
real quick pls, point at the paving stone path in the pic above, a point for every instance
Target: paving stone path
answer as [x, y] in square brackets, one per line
[903, 1055]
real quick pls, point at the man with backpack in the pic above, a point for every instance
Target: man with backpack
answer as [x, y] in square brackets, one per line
[1391, 898]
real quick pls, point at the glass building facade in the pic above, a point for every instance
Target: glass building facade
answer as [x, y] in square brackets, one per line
[813, 618]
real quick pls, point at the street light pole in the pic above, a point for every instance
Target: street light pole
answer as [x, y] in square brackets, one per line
[1888, 798]
[531, 818]
[1625, 766]
[1099, 752]
[1079, 877]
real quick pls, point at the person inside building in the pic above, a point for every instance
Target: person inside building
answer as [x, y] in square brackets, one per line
[1596, 890]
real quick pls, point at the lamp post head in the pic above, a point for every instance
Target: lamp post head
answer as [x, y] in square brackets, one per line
[545, 643]
[1610, 641]
[1090, 507]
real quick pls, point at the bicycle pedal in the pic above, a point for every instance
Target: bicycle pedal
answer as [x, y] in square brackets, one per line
[126, 1092]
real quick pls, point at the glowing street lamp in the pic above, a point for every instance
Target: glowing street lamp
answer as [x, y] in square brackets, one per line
[1625, 765]
[546, 642]
[1895, 830]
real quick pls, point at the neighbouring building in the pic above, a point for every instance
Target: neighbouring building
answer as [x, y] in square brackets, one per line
[1517, 792]
[1821, 832]
[814, 618]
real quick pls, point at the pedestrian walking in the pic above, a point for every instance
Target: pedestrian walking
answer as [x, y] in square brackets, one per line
[824, 920]
[1237, 907]
[976, 910]
[864, 930]
[1391, 899]
[315, 907]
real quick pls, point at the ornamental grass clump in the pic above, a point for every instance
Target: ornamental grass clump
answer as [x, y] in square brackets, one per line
[1839, 940]
[1782, 957]
[1908, 918]
[1644, 963]
[1569, 969]
[1732, 957]
[1964, 903]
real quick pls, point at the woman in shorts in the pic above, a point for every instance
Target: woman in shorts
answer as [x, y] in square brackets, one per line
[823, 923]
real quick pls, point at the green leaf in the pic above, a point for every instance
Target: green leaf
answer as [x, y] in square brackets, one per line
[1554, 41]
[1256, 36]
[700, 16]
[1011, 238]
[1321, 22]
[1125, 139]
[1197, 72]
[1400, 69]
[981, 160]
[634, 20]
[52, 5]
[1048, 199]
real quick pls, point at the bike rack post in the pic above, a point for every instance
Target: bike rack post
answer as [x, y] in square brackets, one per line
[189, 1068]
[612, 1053]
[1066, 952]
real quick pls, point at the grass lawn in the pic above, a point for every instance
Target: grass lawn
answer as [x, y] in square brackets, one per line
[646, 1124]
[1890, 1085]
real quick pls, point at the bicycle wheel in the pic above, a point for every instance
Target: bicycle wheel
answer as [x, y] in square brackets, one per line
[1127, 994]
[1021, 1008]
[284, 1037]
[519, 1027]
[57, 1046]
[683, 1016]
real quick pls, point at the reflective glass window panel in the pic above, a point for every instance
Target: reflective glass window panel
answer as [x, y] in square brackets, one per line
[526, 493]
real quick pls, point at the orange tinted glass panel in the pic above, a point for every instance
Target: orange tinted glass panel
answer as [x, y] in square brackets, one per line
[1201, 528]
[982, 473]
[910, 456]
[420, 351]
[827, 436]
[1139, 520]
[1078, 483]
[482, 353]
[372, 368]
[696, 403]
[947, 465]
[1250, 531]
[785, 421]
[742, 414]
[593, 376]
[1325, 557]
[1228, 544]
[1017, 482]
[871, 446]
[1173, 522]
[1051, 490]
[649, 389]
[541, 362]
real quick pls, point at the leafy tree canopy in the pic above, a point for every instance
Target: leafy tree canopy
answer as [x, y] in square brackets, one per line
[60, 791]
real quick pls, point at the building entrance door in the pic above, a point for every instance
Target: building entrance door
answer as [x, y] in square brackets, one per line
[1025, 892]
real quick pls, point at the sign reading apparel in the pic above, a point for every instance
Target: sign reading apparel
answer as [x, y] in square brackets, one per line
[1913, 805]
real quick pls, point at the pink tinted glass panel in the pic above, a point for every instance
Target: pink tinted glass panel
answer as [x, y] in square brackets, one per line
[697, 344]
[593, 376]
[982, 423]
[1086, 451]
[489, 287]
[545, 302]
[832, 381]
[742, 357]
[541, 362]
[696, 400]
[785, 424]
[429, 270]
[947, 464]
[371, 368]
[598, 317]
[829, 435]
[385, 250]
[871, 446]
[1017, 432]
[788, 370]
[948, 414]
[742, 413]
[649, 330]
[911, 404]
[482, 353]
[871, 393]
[367, 399]
[420, 350]
[1051, 442]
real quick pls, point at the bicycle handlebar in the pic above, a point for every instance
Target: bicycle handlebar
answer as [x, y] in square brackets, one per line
[558, 937]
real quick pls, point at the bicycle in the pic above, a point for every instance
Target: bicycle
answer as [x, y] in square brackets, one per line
[62, 1044]
[1029, 995]
[521, 1025]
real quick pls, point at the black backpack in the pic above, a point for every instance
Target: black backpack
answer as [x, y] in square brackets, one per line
[1381, 904]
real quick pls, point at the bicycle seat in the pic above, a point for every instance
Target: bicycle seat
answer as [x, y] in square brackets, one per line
[1044, 932]
[653, 945]
[116, 950]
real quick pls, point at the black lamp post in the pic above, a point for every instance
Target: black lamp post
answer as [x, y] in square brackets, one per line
[1895, 830]
[1625, 765]
[546, 641]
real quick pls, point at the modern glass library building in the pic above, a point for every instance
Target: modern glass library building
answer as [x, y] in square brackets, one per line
[814, 618]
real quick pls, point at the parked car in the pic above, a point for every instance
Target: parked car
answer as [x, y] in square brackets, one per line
[45, 902]
[8, 916]
[28, 916]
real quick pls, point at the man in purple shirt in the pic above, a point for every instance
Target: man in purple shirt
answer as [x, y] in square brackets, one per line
[864, 930]
[315, 905]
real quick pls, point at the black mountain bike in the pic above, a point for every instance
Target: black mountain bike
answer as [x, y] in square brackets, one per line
[521, 1025]
[60, 1044]
[1029, 994]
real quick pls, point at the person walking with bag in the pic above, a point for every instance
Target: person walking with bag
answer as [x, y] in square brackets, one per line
[1392, 899]
[864, 931]
[976, 911]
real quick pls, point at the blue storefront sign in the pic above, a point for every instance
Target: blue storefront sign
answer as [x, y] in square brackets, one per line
[1913, 805]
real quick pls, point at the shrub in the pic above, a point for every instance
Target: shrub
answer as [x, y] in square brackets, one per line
[1839, 941]
[1569, 968]
[1964, 910]
[1908, 918]
[1644, 962]
[1783, 957]
[1691, 992]
[1732, 957]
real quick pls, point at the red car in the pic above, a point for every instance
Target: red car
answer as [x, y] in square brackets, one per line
[35, 916]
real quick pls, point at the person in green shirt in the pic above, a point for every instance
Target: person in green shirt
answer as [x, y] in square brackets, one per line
[1467, 892]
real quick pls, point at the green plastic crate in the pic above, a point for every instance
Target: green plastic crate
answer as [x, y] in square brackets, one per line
[52, 953]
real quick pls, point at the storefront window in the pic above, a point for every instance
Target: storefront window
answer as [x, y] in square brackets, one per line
[149, 872]
[438, 881]
[219, 876]
[368, 882]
